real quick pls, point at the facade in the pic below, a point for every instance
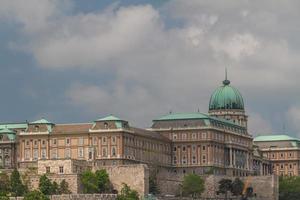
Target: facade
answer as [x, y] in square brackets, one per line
[214, 143]
[283, 152]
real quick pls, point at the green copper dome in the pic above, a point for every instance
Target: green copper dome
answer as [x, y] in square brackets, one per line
[226, 97]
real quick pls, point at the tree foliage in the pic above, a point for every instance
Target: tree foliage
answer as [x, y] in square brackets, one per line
[102, 179]
[153, 188]
[4, 184]
[4, 198]
[193, 185]
[97, 182]
[64, 187]
[127, 193]
[45, 185]
[17, 187]
[289, 188]
[225, 186]
[35, 195]
[237, 187]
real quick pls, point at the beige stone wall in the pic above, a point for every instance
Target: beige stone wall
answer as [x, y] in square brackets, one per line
[72, 179]
[136, 176]
[266, 187]
[78, 196]
[54, 166]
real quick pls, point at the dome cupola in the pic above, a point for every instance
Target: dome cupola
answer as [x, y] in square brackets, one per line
[227, 102]
[226, 97]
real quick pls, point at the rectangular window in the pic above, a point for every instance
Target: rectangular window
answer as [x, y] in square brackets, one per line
[35, 154]
[194, 136]
[68, 153]
[54, 153]
[104, 151]
[194, 148]
[61, 169]
[44, 153]
[80, 141]
[203, 135]
[35, 143]
[27, 154]
[48, 170]
[68, 141]
[104, 139]
[54, 141]
[80, 152]
[95, 141]
[113, 140]
[174, 136]
[43, 143]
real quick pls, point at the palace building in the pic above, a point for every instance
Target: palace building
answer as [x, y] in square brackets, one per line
[217, 142]
[283, 151]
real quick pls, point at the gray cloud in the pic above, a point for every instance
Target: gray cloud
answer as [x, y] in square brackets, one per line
[171, 58]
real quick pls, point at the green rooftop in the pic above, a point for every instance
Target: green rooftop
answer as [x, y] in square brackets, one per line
[272, 138]
[110, 118]
[195, 116]
[41, 121]
[182, 116]
[7, 131]
[14, 126]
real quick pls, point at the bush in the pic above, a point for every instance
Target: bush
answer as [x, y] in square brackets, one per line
[45, 185]
[4, 184]
[193, 185]
[17, 187]
[4, 198]
[97, 182]
[127, 193]
[35, 195]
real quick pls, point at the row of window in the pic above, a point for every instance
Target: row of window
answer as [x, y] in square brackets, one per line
[184, 160]
[281, 155]
[103, 140]
[151, 145]
[226, 127]
[67, 152]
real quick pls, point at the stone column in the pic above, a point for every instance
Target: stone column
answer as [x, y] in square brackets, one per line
[31, 149]
[230, 155]
[234, 154]
[39, 151]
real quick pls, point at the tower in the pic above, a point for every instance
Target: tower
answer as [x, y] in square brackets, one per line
[227, 102]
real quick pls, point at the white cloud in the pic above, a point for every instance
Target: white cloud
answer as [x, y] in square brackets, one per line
[293, 117]
[236, 47]
[258, 125]
[156, 66]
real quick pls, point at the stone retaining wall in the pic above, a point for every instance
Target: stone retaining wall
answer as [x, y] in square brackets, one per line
[77, 197]
[265, 187]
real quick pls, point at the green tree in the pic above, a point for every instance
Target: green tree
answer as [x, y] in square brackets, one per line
[127, 193]
[45, 185]
[89, 182]
[17, 187]
[153, 188]
[55, 188]
[237, 187]
[225, 186]
[193, 185]
[64, 187]
[102, 179]
[4, 198]
[4, 184]
[35, 195]
[289, 188]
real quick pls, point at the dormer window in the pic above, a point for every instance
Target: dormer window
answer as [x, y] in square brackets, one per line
[36, 128]
[105, 125]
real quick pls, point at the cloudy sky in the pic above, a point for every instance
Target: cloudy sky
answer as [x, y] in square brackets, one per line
[76, 61]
